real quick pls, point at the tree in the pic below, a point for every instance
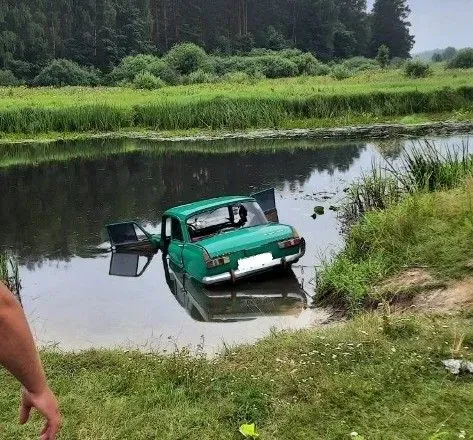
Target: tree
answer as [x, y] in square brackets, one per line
[383, 56]
[437, 57]
[449, 53]
[390, 27]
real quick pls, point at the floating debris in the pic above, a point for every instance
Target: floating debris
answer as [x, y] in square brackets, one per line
[249, 431]
[319, 210]
[457, 366]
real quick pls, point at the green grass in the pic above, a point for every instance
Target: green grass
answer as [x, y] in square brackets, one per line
[320, 101]
[430, 230]
[382, 381]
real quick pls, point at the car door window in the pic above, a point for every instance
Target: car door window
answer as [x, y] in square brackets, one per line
[176, 230]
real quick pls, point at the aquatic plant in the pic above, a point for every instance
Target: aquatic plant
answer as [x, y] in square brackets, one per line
[425, 167]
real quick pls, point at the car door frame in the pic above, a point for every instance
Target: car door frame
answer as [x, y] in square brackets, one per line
[172, 247]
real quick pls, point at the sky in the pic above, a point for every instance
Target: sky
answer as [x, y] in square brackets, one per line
[437, 24]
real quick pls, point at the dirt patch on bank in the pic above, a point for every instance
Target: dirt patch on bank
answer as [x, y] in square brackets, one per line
[417, 289]
[454, 297]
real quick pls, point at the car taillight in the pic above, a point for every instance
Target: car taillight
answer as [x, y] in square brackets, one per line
[289, 243]
[215, 262]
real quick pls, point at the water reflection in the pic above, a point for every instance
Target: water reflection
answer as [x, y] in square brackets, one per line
[53, 216]
[57, 210]
[277, 293]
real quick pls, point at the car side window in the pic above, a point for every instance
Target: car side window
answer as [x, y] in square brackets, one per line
[176, 230]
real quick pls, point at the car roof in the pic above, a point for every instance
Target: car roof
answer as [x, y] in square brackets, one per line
[185, 211]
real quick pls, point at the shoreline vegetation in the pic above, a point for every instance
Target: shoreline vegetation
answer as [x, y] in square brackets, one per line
[409, 232]
[290, 103]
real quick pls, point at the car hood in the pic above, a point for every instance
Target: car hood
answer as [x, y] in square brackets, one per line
[245, 239]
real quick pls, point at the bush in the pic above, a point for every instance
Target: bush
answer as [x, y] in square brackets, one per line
[236, 77]
[131, 66]
[462, 60]
[359, 64]
[187, 58]
[397, 63]
[278, 67]
[199, 76]
[147, 81]
[66, 73]
[417, 69]
[8, 79]
[340, 72]
[307, 64]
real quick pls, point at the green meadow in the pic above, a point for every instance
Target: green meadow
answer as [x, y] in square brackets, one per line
[371, 97]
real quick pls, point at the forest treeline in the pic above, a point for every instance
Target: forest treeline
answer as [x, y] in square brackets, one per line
[100, 33]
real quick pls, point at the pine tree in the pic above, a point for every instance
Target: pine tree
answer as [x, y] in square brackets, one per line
[390, 26]
[383, 56]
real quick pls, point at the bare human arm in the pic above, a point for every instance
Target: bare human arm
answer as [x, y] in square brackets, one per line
[18, 355]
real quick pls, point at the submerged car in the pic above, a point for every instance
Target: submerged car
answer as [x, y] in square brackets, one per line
[219, 240]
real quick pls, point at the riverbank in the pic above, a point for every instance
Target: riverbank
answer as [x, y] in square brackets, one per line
[380, 378]
[20, 151]
[410, 235]
[294, 103]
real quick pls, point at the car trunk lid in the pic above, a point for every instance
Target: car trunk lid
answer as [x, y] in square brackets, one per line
[249, 241]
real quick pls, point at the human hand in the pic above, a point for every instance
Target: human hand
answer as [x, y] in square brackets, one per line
[45, 402]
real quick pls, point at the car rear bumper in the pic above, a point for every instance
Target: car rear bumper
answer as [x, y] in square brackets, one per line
[238, 274]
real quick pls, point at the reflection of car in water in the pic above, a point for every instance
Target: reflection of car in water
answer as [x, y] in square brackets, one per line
[275, 295]
[219, 240]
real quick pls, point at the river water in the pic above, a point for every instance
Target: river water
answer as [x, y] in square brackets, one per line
[53, 215]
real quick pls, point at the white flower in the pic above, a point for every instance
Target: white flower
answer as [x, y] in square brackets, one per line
[462, 434]
[353, 434]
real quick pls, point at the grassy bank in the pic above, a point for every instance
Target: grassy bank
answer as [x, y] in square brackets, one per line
[417, 216]
[371, 97]
[381, 382]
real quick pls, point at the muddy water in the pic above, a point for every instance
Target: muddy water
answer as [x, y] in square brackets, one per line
[52, 218]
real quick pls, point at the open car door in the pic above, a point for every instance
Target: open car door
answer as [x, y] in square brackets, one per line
[129, 236]
[129, 264]
[267, 200]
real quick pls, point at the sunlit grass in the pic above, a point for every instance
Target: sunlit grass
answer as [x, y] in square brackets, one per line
[429, 230]
[381, 379]
[321, 101]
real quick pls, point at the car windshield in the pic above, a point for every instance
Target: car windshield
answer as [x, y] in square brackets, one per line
[224, 219]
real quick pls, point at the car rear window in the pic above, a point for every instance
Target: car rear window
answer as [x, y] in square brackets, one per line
[224, 219]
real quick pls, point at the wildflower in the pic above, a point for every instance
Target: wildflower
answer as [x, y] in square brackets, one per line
[462, 434]
[353, 434]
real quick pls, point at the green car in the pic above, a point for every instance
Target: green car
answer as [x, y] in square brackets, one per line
[219, 240]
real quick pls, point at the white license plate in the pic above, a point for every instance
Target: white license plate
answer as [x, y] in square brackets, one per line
[255, 262]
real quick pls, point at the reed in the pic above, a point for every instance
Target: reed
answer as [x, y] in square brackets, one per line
[425, 167]
[230, 112]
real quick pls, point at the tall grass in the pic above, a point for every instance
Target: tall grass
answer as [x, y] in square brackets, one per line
[9, 274]
[398, 218]
[426, 168]
[373, 191]
[421, 167]
[227, 112]
[433, 231]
